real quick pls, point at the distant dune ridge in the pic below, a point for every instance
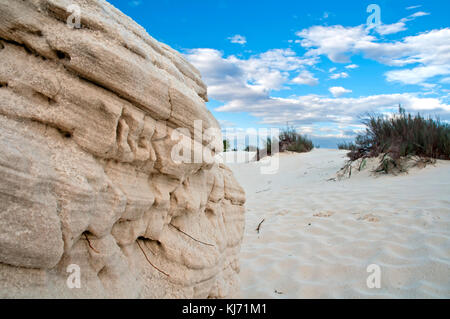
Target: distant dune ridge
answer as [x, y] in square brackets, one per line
[86, 178]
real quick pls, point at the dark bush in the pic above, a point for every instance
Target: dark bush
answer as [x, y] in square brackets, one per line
[292, 141]
[347, 146]
[403, 135]
[226, 145]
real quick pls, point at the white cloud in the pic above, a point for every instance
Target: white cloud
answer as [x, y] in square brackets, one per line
[230, 78]
[417, 14]
[334, 41]
[413, 7]
[305, 129]
[417, 75]
[270, 70]
[342, 75]
[431, 50]
[240, 85]
[226, 123]
[305, 77]
[385, 29]
[309, 109]
[238, 39]
[246, 85]
[338, 91]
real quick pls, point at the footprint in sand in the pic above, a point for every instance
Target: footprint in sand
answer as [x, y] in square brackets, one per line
[370, 218]
[263, 190]
[323, 214]
[282, 212]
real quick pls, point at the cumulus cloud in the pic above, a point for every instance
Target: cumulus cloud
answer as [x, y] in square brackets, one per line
[305, 77]
[342, 75]
[238, 39]
[336, 42]
[307, 109]
[230, 78]
[431, 50]
[305, 129]
[338, 91]
[384, 29]
[445, 80]
[417, 75]
[226, 124]
[245, 85]
[352, 66]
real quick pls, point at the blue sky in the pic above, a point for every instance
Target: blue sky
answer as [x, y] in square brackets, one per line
[316, 65]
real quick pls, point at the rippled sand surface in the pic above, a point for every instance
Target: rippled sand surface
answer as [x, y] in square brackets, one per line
[318, 237]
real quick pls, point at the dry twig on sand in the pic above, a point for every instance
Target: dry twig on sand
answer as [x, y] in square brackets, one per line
[259, 225]
[278, 292]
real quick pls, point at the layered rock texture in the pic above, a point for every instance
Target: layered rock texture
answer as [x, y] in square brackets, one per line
[87, 176]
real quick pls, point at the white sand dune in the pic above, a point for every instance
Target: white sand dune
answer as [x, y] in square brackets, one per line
[319, 236]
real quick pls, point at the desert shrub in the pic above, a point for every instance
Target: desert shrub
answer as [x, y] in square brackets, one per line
[291, 140]
[250, 148]
[269, 146]
[267, 149]
[260, 153]
[403, 135]
[347, 146]
[226, 145]
[288, 140]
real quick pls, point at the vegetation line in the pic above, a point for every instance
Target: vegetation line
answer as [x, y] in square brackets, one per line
[401, 135]
[288, 140]
[398, 138]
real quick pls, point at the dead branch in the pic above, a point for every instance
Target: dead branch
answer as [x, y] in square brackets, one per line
[259, 225]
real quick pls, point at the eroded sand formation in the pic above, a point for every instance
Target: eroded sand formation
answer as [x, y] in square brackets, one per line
[86, 175]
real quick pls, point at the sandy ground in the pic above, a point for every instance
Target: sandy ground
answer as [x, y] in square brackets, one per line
[318, 237]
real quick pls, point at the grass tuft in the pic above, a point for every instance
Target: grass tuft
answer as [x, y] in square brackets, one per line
[288, 140]
[347, 146]
[400, 136]
[291, 140]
